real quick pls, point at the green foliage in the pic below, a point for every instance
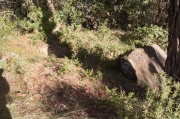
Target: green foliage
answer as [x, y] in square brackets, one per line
[35, 15]
[73, 65]
[33, 23]
[147, 35]
[21, 67]
[77, 12]
[128, 14]
[6, 24]
[70, 14]
[90, 75]
[156, 104]
[144, 13]
[68, 65]
[165, 102]
[102, 43]
[51, 60]
[15, 65]
[123, 104]
[95, 14]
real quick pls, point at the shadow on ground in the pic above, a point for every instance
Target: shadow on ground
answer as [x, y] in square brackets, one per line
[4, 89]
[113, 76]
[74, 102]
[60, 50]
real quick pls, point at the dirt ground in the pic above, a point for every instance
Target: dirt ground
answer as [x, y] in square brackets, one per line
[51, 90]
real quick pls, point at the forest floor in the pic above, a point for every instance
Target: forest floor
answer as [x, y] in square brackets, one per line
[43, 86]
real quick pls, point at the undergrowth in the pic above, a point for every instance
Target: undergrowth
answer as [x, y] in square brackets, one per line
[142, 36]
[102, 43]
[74, 67]
[7, 25]
[161, 104]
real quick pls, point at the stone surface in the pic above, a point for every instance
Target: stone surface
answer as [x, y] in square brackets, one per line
[43, 48]
[142, 63]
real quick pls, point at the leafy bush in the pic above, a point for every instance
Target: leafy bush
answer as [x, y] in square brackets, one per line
[94, 14]
[15, 65]
[102, 43]
[6, 24]
[145, 13]
[70, 14]
[156, 104]
[127, 14]
[147, 36]
[35, 16]
[78, 12]
[34, 23]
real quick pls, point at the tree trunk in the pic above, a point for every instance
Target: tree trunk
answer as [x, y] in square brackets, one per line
[173, 51]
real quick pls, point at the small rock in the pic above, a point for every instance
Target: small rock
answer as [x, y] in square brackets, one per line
[44, 49]
[58, 51]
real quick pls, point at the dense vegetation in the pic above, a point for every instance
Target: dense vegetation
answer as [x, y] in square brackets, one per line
[98, 33]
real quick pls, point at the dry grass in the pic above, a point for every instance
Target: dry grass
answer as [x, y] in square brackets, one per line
[50, 87]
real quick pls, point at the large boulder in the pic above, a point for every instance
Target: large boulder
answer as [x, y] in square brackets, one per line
[143, 63]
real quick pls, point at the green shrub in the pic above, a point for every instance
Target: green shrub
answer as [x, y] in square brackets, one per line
[34, 23]
[127, 14]
[156, 104]
[90, 75]
[78, 12]
[144, 13]
[102, 42]
[6, 24]
[15, 65]
[147, 35]
[69, 64]
[70, 14]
